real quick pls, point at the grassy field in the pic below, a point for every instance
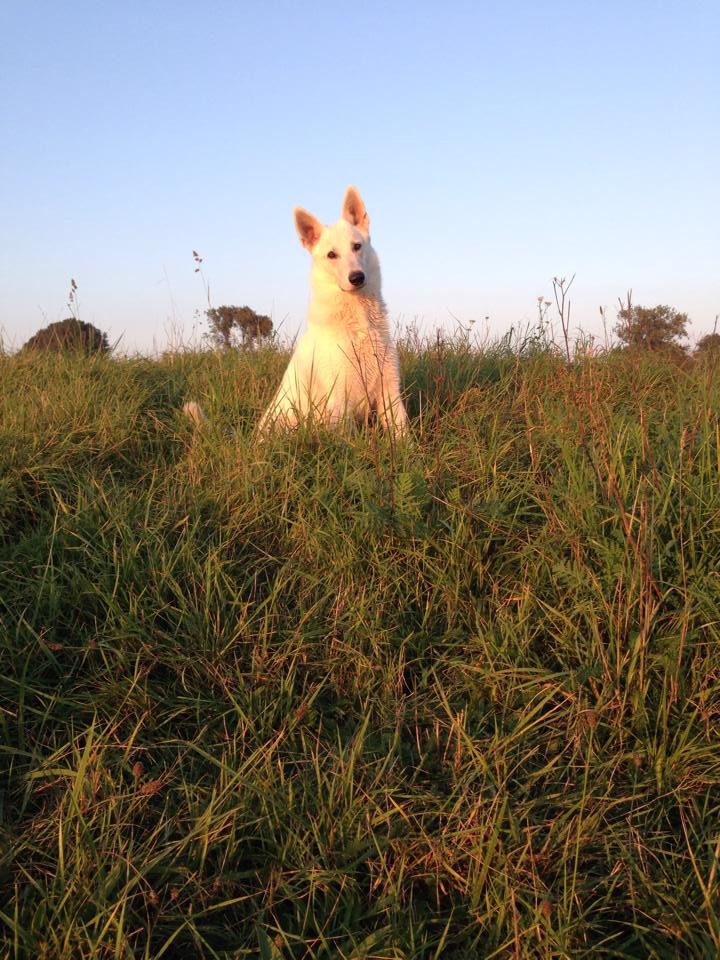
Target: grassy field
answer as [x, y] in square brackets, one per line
[328, 697]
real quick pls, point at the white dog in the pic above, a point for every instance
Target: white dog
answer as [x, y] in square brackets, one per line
[345, 365]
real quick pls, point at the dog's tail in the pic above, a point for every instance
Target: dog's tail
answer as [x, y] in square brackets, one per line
[196, 413]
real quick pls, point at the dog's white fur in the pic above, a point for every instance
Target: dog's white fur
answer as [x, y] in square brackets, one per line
[345, 365]
[192, 409]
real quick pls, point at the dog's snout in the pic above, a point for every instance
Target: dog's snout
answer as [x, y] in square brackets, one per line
[357, 278]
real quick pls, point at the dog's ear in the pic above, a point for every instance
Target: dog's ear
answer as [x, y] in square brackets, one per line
[354, 210]
[308, 227]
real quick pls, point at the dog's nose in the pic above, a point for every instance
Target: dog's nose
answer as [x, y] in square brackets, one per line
[357, 278]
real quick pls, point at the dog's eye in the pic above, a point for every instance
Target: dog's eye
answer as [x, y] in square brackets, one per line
[356, 247]
[332, 255]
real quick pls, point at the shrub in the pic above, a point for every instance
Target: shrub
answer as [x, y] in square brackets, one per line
[709, 345]
[651, 328]
[69, 334]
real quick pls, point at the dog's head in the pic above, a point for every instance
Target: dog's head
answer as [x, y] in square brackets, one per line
[342, 253]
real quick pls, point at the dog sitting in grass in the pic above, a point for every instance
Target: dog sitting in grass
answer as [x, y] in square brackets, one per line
[345, 365]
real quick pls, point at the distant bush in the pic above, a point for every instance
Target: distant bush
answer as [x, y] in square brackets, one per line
[709, 345]
[69, 334]
[651, 328]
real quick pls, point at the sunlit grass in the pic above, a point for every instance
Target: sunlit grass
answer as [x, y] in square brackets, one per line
[334, 697]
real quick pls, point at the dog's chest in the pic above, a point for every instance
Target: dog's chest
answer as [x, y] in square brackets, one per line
[347, 362]
[349, 349]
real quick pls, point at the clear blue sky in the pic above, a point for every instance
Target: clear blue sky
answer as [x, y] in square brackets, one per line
[496, 144]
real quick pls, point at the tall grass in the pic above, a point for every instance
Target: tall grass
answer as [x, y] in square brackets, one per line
[333, 697]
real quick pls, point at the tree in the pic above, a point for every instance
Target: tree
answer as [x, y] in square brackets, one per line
[69, 334]
[650, 328]
[225, 322]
